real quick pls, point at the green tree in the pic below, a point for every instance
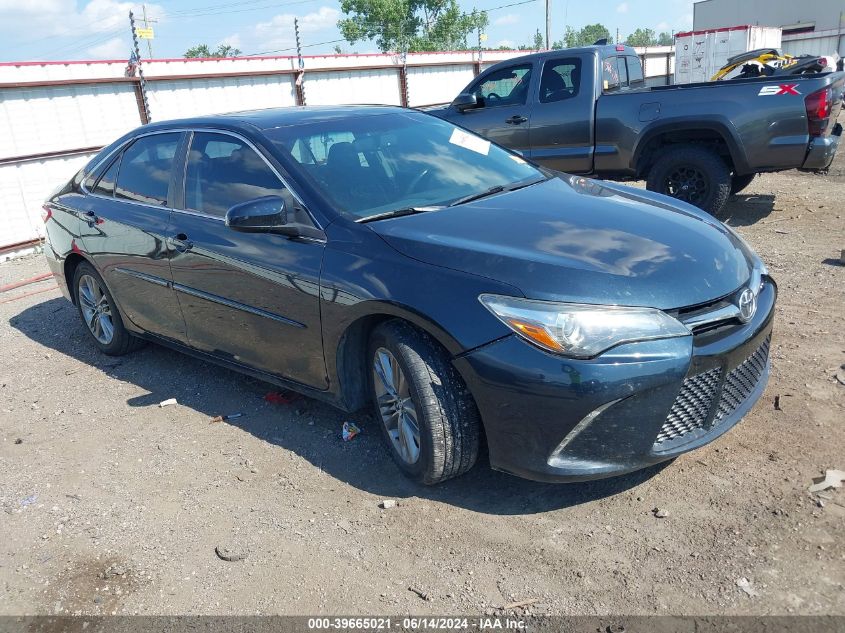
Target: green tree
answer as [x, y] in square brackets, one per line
[590, 34]
[642, 37]
[665, 39]
[412, 25]
[537, 44]
[202, 50]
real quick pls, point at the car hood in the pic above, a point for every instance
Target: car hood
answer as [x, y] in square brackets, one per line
[577, 239]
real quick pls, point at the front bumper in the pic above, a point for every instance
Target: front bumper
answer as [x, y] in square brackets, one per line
[551, 418]
[822, 150]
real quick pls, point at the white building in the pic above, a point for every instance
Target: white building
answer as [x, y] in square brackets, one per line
[814, 27]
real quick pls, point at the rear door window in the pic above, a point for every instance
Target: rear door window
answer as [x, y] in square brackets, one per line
[146, 168]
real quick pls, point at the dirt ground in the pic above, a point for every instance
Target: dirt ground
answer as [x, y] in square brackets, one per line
[111, 504]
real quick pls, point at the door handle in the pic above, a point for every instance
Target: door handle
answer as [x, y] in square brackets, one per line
[516, 120]
[180, 242]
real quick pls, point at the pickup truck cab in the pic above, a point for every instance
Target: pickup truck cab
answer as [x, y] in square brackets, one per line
[588, 111]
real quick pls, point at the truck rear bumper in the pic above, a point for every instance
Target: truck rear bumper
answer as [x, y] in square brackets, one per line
[822, 151]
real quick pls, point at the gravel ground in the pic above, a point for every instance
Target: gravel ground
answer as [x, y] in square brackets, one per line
[112, 504]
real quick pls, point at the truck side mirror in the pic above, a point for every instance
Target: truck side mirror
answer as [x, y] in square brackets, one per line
[465, 101]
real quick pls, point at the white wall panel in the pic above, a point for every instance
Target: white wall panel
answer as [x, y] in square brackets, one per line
[437, 84]
[174, 99]
[23, 189]
[58, 118]
[354, 86]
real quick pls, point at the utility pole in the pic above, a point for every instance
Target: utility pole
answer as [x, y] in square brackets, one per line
[147, 23]
[617, 35]
[548, 24]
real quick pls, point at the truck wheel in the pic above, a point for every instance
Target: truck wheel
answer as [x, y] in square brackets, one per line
[427, 416]
[738, 183]
[694, 174]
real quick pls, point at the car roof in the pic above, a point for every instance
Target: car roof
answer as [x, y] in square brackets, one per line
[277, 117]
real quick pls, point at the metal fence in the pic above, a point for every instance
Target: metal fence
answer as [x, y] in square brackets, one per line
[54, 116]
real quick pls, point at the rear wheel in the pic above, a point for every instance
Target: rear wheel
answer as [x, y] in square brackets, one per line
[427, 416]
[738, 183]
[694, 174]
[100, 314]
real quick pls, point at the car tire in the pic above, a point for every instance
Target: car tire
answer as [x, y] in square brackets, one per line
[694, 174]
[447, 420]
[738, 183]
[92, 295]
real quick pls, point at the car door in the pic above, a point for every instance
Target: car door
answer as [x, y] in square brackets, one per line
[503, 114]
[249, 298]
[125, 219]
[563, 116]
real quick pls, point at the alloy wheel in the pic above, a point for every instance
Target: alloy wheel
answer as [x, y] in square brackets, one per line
[96, 310]
[687, 183]
[397, 409]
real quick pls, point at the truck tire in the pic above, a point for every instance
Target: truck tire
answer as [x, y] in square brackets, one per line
[427, 416]
[694, 174]
[738, 183]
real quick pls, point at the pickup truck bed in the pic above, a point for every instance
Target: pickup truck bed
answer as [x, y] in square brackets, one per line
[588, 111]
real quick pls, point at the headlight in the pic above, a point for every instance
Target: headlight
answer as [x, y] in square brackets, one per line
[581, 330]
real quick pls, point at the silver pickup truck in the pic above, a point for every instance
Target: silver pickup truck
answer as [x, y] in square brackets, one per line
[588, 111]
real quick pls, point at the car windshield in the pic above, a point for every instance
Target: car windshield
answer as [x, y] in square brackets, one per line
[373, 165]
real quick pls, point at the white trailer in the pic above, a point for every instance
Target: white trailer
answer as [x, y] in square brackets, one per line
[699, 54]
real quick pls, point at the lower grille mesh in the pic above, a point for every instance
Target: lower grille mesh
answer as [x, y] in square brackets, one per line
[740, 382]
[691, 409]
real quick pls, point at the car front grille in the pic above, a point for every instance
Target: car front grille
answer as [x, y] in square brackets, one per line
[693, 408]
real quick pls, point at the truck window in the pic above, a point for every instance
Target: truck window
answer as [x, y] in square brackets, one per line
[635, 71]
[623, 72]
[610, 74]
[560, 80]
[508, 86]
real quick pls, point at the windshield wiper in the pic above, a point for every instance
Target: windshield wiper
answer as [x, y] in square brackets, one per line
[498, 189]
[478, 196]
[396, 213]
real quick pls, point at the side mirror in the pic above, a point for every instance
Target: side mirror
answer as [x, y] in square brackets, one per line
[264, 214]
[465, 101]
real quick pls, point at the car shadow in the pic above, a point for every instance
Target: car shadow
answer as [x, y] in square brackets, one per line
[747, 209]
[306, 427]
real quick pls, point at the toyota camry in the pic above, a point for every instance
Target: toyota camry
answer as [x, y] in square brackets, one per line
[378, 256]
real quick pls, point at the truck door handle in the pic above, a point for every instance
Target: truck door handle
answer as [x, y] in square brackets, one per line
[180, 242]
[516, 120]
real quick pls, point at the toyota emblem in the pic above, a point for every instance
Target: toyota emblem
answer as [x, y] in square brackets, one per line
[747, 305]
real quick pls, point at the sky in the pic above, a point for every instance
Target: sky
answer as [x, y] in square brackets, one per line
[99, 29]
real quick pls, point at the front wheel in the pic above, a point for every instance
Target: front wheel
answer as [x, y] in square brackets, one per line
[694, 174]
[738, 183]
[100, 314]
[427, 416]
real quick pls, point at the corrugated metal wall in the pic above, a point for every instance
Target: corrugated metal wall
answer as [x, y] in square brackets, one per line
[24, 186]
[51, 111]
[179, 98]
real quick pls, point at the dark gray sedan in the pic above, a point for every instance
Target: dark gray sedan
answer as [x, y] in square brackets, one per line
[381, 256]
